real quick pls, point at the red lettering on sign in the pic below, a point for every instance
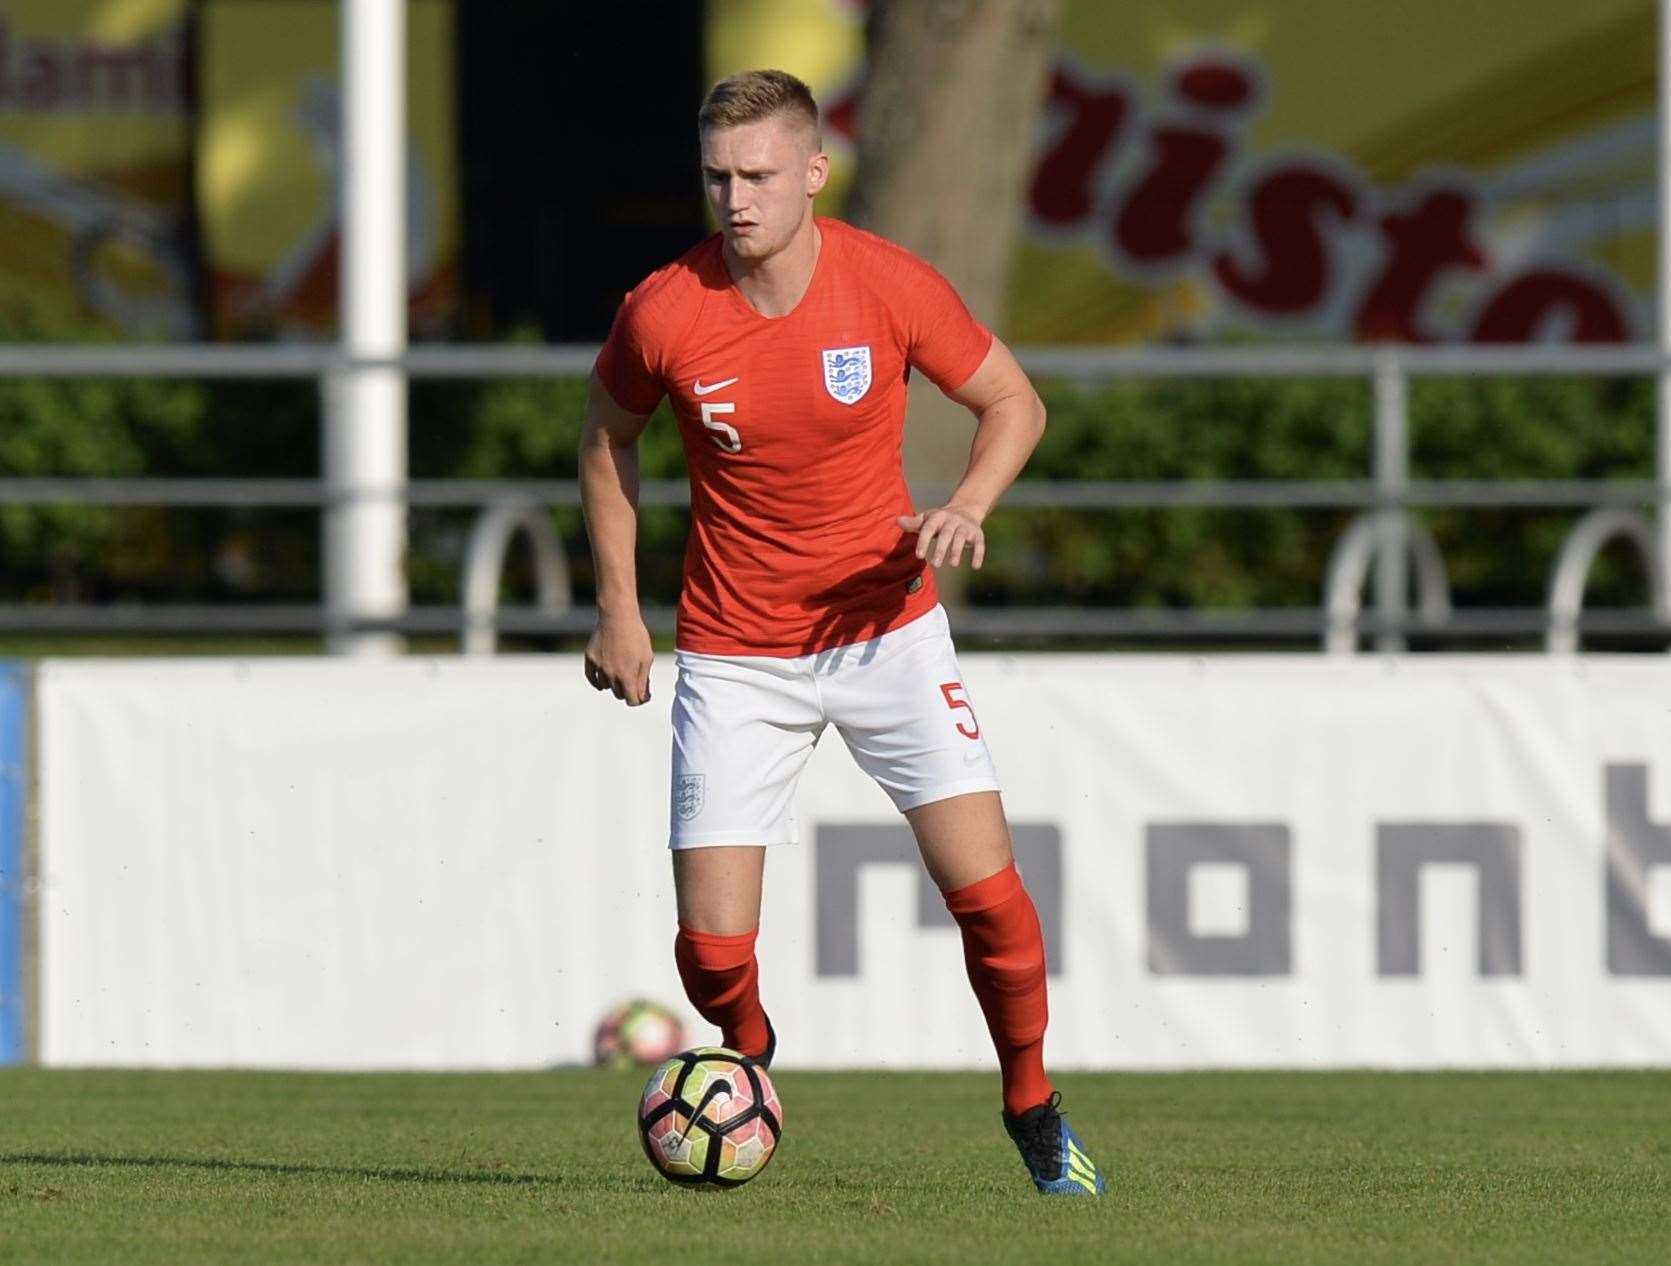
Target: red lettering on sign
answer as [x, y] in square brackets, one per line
[1156, 222]
[1423, 244]
[1526, 308]
[1287, 209]
[1215, 84]
[1063, 183]
[841, 116]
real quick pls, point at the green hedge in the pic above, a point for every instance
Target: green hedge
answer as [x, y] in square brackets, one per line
[1266, 429]
[1539, 428]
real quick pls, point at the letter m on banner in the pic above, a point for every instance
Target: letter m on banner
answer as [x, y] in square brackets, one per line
[844, 849]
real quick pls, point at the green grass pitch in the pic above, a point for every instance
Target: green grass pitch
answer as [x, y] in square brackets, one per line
[157, 1167]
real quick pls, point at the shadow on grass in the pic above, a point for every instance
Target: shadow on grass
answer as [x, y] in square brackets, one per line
[381, 1173]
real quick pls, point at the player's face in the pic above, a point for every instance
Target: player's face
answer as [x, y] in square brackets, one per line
[760, 179]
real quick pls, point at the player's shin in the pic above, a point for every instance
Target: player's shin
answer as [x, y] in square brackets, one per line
[722, 981]
[1003, 949]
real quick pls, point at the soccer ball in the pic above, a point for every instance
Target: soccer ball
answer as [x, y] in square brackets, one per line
[709, 1118]
[637, 1032]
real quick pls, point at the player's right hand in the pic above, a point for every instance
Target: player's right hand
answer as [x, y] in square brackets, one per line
[618, 657]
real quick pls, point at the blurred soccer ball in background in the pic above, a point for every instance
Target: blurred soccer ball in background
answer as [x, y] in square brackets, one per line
[709, 1118]
[637, 1032]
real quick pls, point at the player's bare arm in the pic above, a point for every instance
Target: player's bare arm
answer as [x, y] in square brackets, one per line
[1009, 423]
[618, 654]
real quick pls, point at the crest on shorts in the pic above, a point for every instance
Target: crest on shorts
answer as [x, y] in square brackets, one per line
[690, 793]
[846, 373]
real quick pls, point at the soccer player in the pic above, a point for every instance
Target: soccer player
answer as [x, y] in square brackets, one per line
[785, 342]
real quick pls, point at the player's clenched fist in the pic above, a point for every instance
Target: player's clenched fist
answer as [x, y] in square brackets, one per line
[618, 659]
[943, 534]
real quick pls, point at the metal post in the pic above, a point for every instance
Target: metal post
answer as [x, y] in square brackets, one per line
[1663, 436]
[14, 756]
[364, 405]
[1392, 481]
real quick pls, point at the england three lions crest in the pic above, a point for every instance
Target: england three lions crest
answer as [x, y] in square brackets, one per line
[846, 373]
[690, 795]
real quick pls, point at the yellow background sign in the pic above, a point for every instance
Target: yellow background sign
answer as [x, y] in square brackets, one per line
[1305, 169]
[267, 194]
[94, 184]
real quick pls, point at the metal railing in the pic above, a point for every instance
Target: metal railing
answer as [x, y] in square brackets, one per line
[1382, 539]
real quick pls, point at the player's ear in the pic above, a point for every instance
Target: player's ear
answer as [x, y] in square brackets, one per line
[817, 173]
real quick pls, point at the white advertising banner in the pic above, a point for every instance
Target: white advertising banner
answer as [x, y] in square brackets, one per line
[1239, 862]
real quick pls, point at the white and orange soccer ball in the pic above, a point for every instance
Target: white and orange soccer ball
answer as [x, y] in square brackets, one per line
[709, 1118]
[637, 1032]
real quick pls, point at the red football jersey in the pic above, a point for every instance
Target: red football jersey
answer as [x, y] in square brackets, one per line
[792, 429]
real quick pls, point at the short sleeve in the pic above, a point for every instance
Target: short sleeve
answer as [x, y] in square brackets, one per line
[943, 339]
[629, 363]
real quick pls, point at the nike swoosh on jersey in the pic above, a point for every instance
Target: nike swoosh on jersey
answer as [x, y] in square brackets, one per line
[712, 387]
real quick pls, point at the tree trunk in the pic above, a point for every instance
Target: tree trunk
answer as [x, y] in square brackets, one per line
[952, 95]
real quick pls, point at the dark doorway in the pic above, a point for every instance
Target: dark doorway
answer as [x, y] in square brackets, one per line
[579, 159]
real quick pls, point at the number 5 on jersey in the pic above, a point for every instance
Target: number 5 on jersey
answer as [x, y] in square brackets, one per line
[724, 434]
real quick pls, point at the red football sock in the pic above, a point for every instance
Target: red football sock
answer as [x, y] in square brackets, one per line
[722, 981]
[1003, 949]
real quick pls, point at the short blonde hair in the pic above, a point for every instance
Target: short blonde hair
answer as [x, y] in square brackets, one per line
[755, 95]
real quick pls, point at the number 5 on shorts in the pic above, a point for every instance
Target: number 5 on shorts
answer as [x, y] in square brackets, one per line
[947, 689]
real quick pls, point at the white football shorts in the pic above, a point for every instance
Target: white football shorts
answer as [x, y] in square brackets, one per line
[745, 725]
